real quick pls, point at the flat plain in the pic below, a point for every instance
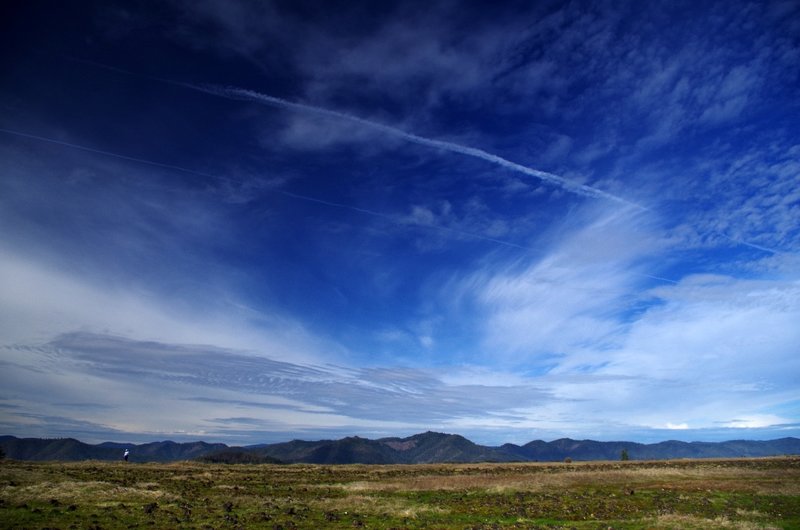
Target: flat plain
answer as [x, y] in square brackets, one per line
[687, 494]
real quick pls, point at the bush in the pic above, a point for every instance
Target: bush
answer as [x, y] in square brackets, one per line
[568, 460]
[624, 455]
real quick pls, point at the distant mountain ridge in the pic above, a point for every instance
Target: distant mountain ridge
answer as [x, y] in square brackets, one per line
[69, 449]
[424, 448]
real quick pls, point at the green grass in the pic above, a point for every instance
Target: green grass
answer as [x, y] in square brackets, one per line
[701, 494]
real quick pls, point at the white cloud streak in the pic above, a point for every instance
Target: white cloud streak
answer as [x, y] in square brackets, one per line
[39, 301]
[556, 180]
[570, 296]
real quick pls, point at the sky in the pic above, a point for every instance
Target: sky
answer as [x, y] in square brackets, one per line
[251, 222]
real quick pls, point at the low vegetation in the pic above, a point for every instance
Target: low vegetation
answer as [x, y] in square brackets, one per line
[702, 494]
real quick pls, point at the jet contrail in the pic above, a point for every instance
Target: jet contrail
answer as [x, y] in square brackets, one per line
[109, 153]
[394, 219]
[243, 94]
[251, 95]
[752, 245]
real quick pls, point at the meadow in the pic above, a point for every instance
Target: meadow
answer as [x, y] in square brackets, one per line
[700, 494]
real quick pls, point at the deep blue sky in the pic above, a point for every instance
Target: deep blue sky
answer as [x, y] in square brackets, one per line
[256, 221]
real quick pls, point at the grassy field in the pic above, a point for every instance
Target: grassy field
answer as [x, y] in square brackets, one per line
[701, 494]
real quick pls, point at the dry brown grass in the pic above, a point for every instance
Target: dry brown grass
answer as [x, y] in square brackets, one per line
[84, 491]
[735, 494]
[690, 522]
[542, 477]
[368, 504]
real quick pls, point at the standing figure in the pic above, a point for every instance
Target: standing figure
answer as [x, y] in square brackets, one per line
[125, 455]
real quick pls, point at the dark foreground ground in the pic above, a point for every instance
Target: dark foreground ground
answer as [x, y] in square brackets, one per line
[699, 494]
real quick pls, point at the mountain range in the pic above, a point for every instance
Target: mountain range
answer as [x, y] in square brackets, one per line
[428, 447]
[69, 449]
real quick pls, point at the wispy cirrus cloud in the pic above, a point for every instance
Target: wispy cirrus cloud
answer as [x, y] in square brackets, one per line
[239, 384]
[587, 323]
[578, 290]
[39, 301]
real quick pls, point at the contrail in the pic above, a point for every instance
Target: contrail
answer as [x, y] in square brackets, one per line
[394, 219]
[752, 245]
[243, 94]
[109, 153]
[251, 95]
